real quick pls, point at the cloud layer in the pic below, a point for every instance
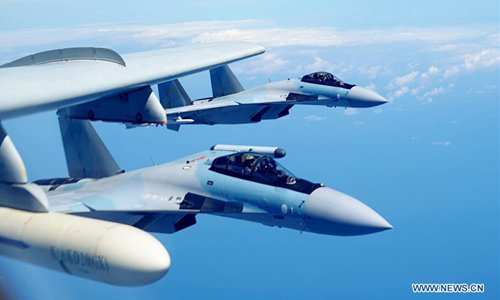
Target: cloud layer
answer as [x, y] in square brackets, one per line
[390, 59]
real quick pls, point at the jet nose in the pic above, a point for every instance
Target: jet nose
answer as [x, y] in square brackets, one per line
[331, 212]
[362, 97]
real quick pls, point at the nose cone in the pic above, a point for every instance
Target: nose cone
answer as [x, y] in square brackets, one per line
[330, 212]
[361, 97]
[142, 261]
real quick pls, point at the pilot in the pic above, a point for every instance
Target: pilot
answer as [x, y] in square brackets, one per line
[269, 166]
[235, 164]
[328, 79]
[247, 163]
[318, 78]
[267, 169]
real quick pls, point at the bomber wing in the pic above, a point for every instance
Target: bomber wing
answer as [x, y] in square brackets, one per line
[64, 77]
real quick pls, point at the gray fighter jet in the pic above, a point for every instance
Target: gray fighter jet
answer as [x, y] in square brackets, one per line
[92, 224]
[231, 104]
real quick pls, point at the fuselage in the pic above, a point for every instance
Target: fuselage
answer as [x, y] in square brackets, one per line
[198, 184]
[271, 101]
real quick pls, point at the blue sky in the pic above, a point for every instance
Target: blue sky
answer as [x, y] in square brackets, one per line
[428, 161]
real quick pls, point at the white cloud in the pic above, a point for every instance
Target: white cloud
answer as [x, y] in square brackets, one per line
[486, 88]
[445, 47]
[442, 143]
[406, 79]
[265, 64]
[350, 111]
[431, 72]
[297, 50]
[314, 118]
[371, 86]
[484, 58]
[451, 71]
[401, 85]
[261, 31]
[371, 71]
[428, 96]
[318, 64]
[424, 84]
[399, 92]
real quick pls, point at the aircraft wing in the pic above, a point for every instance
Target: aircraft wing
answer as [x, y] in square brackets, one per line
[60, 78]
[245, 107]
[126, 199]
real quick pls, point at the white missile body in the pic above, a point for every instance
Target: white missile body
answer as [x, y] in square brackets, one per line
[99, 250]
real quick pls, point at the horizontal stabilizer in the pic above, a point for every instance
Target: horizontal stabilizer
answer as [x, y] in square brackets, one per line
[257, 117]
[172, 94]
[277, 111]
[166, 223]
[86, 154]
[174, 127]
[224, 82]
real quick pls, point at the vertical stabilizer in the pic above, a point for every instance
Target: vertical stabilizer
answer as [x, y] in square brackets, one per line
[11, 165]
[86, 154]
[224, 82]
[172, 94]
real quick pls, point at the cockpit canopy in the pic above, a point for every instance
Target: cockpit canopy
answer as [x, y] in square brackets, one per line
[262, 169]
[325, 78]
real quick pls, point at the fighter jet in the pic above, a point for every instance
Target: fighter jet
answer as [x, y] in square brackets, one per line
[231, 104]
[92, 224]
[99, 84]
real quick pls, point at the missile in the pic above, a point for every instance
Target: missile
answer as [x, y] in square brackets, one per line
[271, 151]
[103, 251]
